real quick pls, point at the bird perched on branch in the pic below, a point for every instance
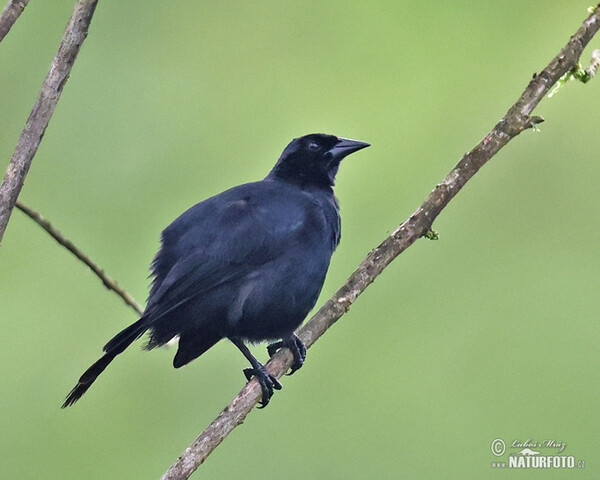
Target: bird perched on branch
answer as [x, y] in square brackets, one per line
[247, 264]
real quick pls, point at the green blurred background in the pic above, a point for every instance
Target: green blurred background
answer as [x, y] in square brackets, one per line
[492, 331]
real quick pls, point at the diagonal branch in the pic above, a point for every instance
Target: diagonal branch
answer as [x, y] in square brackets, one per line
[8, 17]
[65, 242]
[417, 225]
[42, 111]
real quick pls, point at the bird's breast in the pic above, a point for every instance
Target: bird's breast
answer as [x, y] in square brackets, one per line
[273, 301]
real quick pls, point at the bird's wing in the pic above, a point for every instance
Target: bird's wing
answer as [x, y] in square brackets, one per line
[221, 240]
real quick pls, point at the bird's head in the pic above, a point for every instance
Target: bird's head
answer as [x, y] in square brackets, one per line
[314, 159]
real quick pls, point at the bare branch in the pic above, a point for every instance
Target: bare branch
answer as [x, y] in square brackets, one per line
[417, 225]
[59, 237]
[42, 111]
[12, 11]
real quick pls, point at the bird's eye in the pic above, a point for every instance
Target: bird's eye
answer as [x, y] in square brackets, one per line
[314, 147]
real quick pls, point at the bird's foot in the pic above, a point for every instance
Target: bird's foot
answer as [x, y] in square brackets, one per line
[267, 382]
[295, 345]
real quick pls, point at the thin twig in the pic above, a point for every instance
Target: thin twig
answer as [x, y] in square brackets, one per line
[42, 111]
[418, 224]
[60, 238]
[8, 17]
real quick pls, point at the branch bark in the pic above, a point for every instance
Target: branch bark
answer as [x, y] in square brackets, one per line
[8, 17]
[516, 120]
[75, 34]
[94, 267]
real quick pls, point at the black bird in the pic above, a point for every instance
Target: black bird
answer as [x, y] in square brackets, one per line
[247, 264]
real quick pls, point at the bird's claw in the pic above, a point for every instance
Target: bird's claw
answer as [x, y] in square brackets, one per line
[273, 347]
[297, 348]
[267, 382]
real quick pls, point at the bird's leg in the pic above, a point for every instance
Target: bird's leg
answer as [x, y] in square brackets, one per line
[267, 381]
[295, 345]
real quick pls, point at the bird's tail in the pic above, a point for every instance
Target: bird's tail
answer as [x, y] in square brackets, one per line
[115, 346]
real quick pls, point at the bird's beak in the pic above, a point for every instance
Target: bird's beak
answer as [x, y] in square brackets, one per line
[345, 147]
